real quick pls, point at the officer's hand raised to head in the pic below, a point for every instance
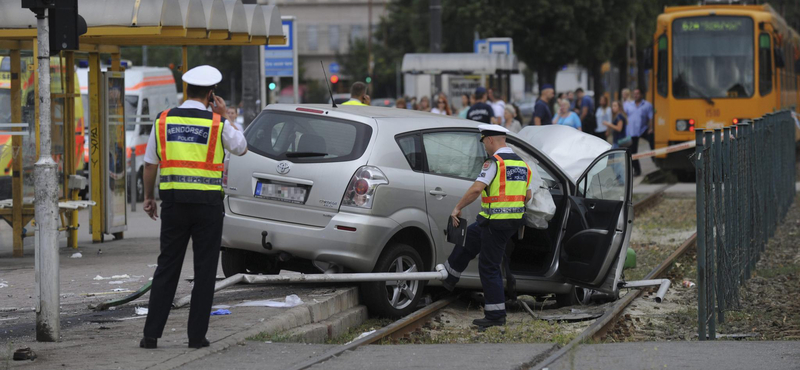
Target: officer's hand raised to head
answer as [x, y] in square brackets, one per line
[151, 208]
[220, 108]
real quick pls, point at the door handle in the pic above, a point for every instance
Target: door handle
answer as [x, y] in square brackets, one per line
[592, 205]
[438, 192]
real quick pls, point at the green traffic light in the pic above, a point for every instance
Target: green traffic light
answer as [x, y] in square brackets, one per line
[369, 79]
[272, 86]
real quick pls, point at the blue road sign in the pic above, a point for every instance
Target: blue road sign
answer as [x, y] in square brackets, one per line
[333, 67]
[279, 59]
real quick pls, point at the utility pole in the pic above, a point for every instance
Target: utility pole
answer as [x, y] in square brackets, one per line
[144, 55]
[48, 326]
[632, 67]
[436, 35]
[250, 86]
[369, 46]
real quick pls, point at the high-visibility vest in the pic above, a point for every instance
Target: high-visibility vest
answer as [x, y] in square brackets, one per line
[503, 201]
[189, 142]
[353, 102]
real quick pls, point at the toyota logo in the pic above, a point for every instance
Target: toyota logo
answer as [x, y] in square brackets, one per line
[284, 167]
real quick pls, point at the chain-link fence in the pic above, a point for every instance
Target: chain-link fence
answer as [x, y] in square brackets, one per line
[745, 185]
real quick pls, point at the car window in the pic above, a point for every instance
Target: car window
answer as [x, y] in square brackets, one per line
[306, 138]
[606, 180]
[412, 150]
[457, 154]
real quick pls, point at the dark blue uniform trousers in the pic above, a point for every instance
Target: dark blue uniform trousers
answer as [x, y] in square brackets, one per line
[491, 244]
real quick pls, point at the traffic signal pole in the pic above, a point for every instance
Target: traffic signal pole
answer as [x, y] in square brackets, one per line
[48, 326]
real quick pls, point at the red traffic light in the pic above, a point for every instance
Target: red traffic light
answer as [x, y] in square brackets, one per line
[334, 79]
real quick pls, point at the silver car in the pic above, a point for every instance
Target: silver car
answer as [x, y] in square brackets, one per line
[363, 189]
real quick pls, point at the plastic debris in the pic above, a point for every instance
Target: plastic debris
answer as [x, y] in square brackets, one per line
[3, 284]
[688, 284]
[141, 311]
[118, 290]
[76, 255]
[221, 312]
[116, 282]
[362, 335]
[153, 265]
[115, 277]
[222, 306]
[290, 301]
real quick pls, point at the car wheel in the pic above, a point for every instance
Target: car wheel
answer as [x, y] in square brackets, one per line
[395, 299]
[577, 296]
[237, 261]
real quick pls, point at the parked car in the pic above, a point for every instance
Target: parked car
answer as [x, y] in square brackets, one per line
[364, 189]
[383, 102]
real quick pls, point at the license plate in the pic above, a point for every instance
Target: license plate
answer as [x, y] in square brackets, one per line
[283, 193]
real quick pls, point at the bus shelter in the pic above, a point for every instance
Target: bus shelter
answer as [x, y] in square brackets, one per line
[110, 25]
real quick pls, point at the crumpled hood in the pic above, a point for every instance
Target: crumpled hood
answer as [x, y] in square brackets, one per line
[570, 149]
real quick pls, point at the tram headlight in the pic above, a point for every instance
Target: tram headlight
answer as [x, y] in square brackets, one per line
[682, 125]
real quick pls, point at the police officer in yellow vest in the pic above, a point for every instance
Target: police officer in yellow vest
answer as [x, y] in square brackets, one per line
[503, 185]
[188, 144]
[358, 95]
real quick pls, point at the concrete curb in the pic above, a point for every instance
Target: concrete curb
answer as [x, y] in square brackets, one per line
[333, 327]
[292, 318]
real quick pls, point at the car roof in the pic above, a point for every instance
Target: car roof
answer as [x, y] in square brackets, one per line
[382, 114]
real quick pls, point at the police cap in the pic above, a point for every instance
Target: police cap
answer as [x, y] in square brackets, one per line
[492, 130]
[204, 75]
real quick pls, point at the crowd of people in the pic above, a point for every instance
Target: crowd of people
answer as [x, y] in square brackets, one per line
[621, 122]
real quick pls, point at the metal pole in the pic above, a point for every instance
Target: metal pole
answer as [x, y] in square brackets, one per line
[144, 55]
[369, 45]
[701, 235]
[134, 192]
[295, 64]
[46, 190]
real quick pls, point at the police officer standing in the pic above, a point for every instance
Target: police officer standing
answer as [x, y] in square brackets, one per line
[504, 186]
[188, 143]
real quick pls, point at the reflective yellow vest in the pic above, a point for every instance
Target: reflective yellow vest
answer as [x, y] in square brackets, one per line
[353, 102]
[189, 142]
[503, 201]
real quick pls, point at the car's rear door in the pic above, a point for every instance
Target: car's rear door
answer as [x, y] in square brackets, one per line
[453, 160]
[599, 223]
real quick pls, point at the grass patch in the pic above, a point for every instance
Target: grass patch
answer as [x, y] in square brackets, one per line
[369, 325]
[772, 272]
[267, 337]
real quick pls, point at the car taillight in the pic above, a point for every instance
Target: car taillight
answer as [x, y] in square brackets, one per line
[225, 171]
[361, 189]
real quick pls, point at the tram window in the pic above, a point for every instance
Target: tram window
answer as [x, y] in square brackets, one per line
[764, 64]
[662, 71]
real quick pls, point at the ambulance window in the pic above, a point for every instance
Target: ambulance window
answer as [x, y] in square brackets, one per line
[145, 128]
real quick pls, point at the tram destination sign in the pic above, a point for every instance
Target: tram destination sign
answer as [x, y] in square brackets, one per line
[710, 25]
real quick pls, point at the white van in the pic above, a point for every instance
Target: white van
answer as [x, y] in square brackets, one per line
[148, 91]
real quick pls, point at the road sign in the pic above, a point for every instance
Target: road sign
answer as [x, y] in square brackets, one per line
[494, 45]
[333, 67]
[279, 59]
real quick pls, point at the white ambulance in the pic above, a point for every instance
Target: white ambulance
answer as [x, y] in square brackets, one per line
[148, 91]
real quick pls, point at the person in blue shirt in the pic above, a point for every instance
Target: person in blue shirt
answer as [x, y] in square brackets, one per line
[480, 111]
[584, 107]
[640, 124]
[567, 117]
[541, 110]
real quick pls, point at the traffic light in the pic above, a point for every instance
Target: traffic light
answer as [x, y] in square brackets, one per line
[272, 86]
[334, 79]
[369, 79]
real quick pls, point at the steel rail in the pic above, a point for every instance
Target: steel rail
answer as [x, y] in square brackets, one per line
[605, 322]
[400, 326]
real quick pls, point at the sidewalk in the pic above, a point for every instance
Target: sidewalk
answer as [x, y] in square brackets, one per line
[109, 339]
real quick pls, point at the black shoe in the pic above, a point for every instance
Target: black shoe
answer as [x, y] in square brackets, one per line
[448, 285]
[199, 343]
[486, 323]
[637, 173]
[148, 343]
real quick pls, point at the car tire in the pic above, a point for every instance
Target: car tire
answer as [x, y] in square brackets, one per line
[234, 261]
[574, 297]
[237, 261]
[398, 298]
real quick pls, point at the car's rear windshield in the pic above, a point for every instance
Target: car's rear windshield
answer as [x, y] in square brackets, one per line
[306, 138]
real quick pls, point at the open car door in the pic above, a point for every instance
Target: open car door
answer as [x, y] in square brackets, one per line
[599, 224]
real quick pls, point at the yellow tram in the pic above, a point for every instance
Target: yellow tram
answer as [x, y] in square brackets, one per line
[716, 65]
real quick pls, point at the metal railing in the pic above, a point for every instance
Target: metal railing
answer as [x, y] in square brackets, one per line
[745, 185]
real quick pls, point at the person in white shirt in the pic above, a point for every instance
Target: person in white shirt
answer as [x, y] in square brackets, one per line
[603, 116]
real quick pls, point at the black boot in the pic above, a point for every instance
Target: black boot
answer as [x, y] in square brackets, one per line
[199, 344]
[148, 343]
[486, 323]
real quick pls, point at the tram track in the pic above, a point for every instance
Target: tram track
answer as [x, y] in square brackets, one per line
[602, 325]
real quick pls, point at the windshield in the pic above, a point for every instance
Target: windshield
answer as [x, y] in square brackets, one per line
[712, 57]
